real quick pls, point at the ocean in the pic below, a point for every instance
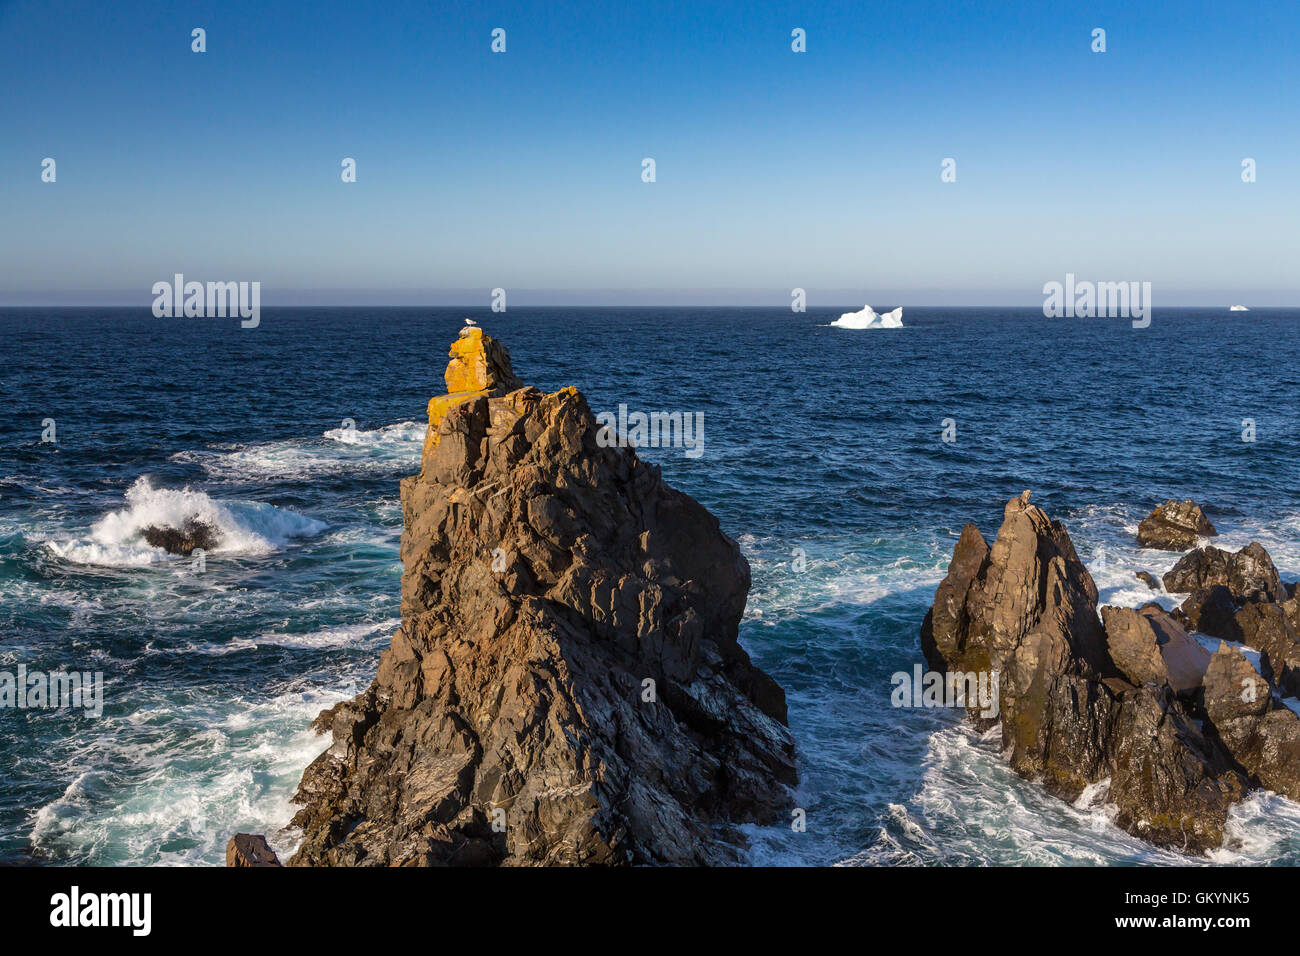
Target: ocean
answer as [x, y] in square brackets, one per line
[823, 455]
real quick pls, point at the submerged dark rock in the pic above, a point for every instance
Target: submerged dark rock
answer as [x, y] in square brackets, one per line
[1174, 526]
[1136, 701]
[1147, 578]
[192, 535]
[566, 686]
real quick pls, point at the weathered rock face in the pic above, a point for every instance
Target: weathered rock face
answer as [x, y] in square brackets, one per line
[246, 849]
[1261, 734]
[1081, 702]
[479, 368]
[1211, 611]
[193, 534]
[1249, 575]
[1265, 627]
[1250, 606]
[1174, 526]
[566, 686]
[1150, 647]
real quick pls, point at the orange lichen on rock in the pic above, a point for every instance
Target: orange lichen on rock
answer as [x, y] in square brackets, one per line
[479, 366]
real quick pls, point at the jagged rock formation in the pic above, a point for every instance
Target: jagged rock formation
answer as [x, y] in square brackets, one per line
[566, 686]
[1212, 611]
[1174, 526]
[1263, 737]
[1129, 701]
[1248, 575]
[479, 368]
[1241, 598]
[247, 849]
[192, 535]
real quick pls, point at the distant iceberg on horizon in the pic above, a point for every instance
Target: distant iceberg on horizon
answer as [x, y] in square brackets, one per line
[1238, 308]
[868, 319]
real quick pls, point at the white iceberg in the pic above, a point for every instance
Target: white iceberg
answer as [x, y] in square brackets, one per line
[867, 319]
[1238, 308]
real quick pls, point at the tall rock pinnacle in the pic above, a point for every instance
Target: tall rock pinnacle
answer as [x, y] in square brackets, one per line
[566, 686]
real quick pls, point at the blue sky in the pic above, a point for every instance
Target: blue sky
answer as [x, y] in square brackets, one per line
[775, 169]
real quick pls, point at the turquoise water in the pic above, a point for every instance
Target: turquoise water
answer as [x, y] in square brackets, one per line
[822, 456]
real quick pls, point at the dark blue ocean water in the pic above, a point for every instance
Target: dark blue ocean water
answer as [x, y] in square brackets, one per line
[822, 456]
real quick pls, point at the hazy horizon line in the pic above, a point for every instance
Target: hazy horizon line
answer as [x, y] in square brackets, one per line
[482, 299]
[478, 307]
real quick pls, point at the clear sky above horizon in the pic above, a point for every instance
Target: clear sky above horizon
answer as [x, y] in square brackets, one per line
[774, 169]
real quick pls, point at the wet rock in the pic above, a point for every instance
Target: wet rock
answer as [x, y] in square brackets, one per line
[1249, 575]
[1212, 611]
[1251, 619]
[566, 685]
[1147, 578]
[1174, 526]
[1267, 629]
[1173, 786]
[1071, 715]
[1262, 735]
[193, 534]
[944, 631]
[248, 849]
[1150, 646]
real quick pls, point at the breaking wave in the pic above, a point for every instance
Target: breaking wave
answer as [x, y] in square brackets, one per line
[248, 527]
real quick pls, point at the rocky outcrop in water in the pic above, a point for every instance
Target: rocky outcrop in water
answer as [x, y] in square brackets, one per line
[1263, 737]
[185, 540]
[1249, 575]
[1174, 526]
[566, 686]
[1134, 701]
[247, 849]
[1147, 578]
[1241, 598]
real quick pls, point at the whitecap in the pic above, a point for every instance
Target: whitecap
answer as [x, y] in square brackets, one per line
[346, 449]
[244, 527]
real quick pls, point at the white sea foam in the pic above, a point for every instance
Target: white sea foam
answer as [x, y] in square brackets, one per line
[248, 527]
[399, 436]
[986, 813]
[794, 578]
[339, 450]
[346, 635]
[171, 786]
